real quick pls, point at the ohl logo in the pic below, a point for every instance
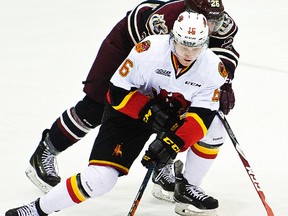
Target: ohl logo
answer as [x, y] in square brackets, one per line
[117, 150]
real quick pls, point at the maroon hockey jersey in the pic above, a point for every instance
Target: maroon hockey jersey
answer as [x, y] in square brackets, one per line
[150, 18]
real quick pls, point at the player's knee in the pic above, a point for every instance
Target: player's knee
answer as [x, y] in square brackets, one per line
[89, 112]
[98, 180]
[205, 150]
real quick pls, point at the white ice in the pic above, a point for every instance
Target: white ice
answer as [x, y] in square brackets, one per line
[46, 50]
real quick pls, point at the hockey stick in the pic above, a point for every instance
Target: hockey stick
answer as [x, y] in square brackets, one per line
[245, 163]
[141, 191]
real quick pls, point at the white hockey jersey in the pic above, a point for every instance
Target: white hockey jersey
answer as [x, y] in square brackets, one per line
[152, 65]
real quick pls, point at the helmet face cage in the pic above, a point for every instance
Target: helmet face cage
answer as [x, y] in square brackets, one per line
[215, 24]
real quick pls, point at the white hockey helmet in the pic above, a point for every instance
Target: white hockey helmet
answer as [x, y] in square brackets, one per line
[190, 29]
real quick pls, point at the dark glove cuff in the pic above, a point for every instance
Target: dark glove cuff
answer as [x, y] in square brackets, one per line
[171, 142]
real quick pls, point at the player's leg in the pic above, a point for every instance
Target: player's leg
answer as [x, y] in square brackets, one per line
[92, 182]
[69, 128]
[75, 123]
[113, 153]
[189, 197]
[204, 152]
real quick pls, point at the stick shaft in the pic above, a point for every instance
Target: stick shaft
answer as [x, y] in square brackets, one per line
[141, 191]
[246, 164]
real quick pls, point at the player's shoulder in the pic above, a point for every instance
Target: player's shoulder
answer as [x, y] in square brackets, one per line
[209, 56]
[164, 15]
[229, 28]
[212, 65]
[152, 43]
[154, 6]
[170, 6]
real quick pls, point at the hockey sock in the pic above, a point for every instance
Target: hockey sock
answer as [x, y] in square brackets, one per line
[75, 123]
[199, 159]
[92, 182]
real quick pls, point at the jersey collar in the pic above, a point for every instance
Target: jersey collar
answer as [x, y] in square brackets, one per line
[178, 68]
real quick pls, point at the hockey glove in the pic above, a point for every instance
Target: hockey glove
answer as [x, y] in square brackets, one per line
[174, 103]
[227, 97]
[164, 148]
[154, 114]
[165, 111]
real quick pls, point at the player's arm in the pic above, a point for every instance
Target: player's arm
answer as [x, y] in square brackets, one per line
[138, 17]
[195, 125]
[156, 111]
[123, 94]
[203, 109]
[167, 143]
[221, 43]
[130, 102]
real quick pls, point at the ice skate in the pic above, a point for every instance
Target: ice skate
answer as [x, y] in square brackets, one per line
[43, 169]
[31, 209]
[164, 183]
[190, 199]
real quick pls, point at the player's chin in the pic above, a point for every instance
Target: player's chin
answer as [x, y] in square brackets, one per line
[187, 62]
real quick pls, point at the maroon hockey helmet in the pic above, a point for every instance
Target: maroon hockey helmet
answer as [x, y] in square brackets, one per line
[211, 9]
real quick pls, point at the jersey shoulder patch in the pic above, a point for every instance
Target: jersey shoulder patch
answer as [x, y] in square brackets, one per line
[142, 46]
[222, 70]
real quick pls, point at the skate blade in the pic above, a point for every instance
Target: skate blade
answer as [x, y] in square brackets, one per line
[32, 176]
[190, 210]
[161, 194]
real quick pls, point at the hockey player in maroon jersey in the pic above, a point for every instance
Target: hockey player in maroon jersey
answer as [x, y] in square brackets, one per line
[148, 18]
[168, 85]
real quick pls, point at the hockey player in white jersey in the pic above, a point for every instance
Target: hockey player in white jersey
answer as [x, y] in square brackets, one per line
[147, 18]
[169, 85]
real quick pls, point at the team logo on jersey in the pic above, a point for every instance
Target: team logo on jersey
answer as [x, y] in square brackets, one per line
[222, 70]
[157, 24]
[192, 83]
[117, 150]
[163, 72]
[142, 46]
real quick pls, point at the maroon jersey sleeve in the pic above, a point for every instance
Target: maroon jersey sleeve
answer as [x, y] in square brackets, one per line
[221, 43]
[153, 18]
[150, 18]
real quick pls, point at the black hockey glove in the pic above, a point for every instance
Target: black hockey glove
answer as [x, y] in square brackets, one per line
[165, 111]
[154, 114]
[227, 97]
[164, 148]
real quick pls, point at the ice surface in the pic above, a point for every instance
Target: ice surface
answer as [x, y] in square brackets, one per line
[46, 50]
